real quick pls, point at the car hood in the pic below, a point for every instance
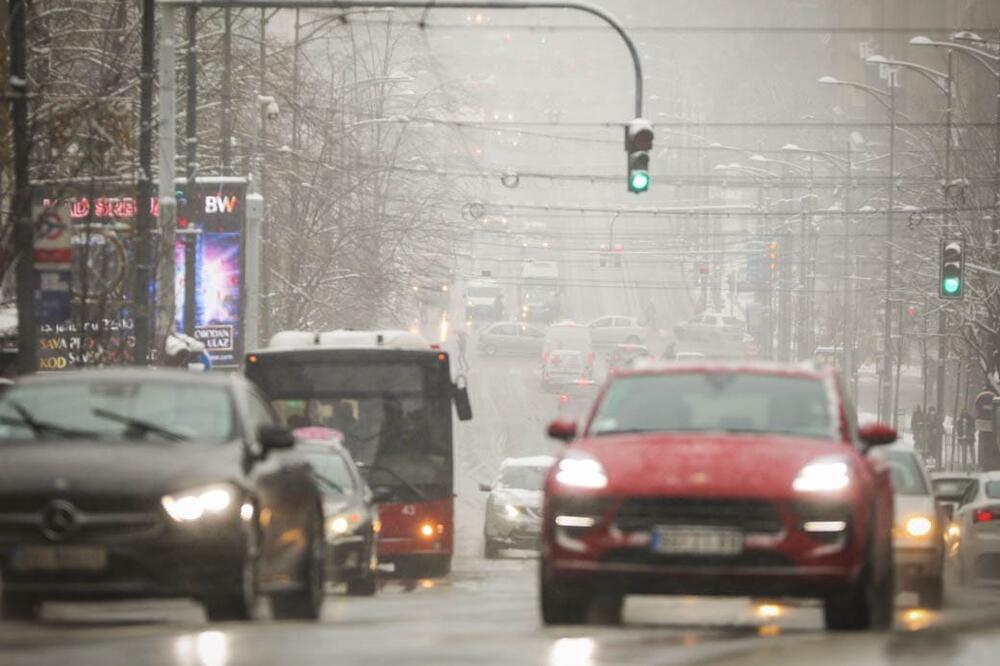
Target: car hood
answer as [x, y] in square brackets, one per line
[705, 465]
[518, 497]
[122, 468]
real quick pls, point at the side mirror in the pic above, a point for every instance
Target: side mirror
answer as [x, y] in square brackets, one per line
[274, 436]
[877, 434]
[485, 487]
[460, 395]
[562, 430]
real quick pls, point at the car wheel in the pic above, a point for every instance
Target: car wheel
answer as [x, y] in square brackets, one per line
[307, 602]
[491, 350]
[562, 603]
[491, 550]
[931, 592]
[241, 604]
[15, 606]
[867, 605]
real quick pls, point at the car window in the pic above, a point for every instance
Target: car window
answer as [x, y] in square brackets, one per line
[622, 321]
[728, 401]
[952, 487]
[505, 329]
[531, 332]
[733, 321]
[522, 477]
[604, 322]
[332, 467]
[970, 493]
[992, 489]
[907, 476]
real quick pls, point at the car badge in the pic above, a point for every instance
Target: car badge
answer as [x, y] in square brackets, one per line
[60, 483]
[59, 519]
[408, 510]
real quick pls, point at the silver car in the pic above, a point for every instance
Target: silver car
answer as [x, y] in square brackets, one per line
[514, 506]
[511, 337]
[616, 330]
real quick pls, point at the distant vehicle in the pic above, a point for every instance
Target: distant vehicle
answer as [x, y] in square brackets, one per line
[949, 487]
[711, 327]
[623, 356]
[539, 291]
[511, 337]
[514, 505]
[577, 398]
[563, 367]
[832, 356]
[390, 393]
[731, 479]
[919, 532]
[349, 515]
[483, 300]
[978, 522]
[132, 483]
[616, 330]
[568, 336]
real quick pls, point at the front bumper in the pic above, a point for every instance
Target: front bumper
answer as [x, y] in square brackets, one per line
[523, 533]
[195, 561]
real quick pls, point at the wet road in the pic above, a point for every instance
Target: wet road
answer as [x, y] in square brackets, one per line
[486, 614]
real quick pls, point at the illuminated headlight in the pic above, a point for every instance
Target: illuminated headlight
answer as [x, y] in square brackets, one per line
[919, 526]
[195, 504]
[581, 471]
[823, 476]
[511, 512]
[340, 524]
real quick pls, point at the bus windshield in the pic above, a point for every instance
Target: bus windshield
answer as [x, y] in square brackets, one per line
[395, 416]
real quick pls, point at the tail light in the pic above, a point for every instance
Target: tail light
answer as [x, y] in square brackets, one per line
[983, 516]
[556, 361]
[590, 358]
[545, 357]
[563, 397]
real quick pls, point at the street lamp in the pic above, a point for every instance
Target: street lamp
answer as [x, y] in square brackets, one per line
[888, 101]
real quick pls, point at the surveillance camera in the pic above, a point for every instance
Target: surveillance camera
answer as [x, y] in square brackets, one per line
[272, 110]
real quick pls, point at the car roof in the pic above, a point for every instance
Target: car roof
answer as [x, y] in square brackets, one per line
[935, 476]
[989, 476]
[133, 374]
[529, 461]
[657, 367]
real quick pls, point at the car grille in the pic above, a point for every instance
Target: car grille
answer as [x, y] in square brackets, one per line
[91, 502]
[94, 518]
[748, 558]
[752, 516]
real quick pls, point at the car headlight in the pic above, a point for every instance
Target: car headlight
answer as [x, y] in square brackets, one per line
[919, 526]
[510, 511]
[581, 471]
[823, 476]
[340, 524]
[194, 504]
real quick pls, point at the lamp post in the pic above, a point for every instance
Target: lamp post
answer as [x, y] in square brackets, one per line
[888, 101]
[943, 81]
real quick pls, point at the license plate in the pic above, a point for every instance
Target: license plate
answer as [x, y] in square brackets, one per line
[697, 541]
[59, 558]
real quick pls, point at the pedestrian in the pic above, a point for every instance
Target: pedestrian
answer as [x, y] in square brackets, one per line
[918, 428]
[934, 430]
[463, 363]
[965, 429]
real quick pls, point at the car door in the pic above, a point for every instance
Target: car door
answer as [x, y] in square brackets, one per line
[533, 338]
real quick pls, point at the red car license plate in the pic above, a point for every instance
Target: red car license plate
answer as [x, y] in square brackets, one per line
[60, 558]
[697, 541]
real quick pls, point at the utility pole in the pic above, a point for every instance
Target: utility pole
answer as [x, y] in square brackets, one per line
[942, 311]
[227, 92]
[191, 162]
[24, 233]
[294, 265]
[848, 339]
[167, 222]
[265, 273]
[887, 410]
[144, 221]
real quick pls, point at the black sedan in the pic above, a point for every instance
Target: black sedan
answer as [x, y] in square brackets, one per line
[350, 519]
[136, 483]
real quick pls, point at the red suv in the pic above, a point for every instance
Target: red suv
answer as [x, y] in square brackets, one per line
[722, 479]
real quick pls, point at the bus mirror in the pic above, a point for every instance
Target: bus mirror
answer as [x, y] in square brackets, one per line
[460, 394]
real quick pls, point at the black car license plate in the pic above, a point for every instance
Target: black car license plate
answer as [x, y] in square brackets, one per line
[697, 541]
[59, 558]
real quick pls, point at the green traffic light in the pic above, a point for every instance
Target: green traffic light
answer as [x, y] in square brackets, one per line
[951, 285]
[639, 181]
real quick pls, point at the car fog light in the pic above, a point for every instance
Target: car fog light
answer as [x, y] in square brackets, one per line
[825, 526]
[575, 521]
[919, 526]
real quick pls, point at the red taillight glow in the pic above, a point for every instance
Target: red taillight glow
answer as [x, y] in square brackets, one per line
[590, 358]
[563, 398]
[545, 357]
[982, 516]
[556, 361]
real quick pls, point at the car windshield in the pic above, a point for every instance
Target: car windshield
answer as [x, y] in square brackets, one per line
[523, 477]
[907, 478]
[731, 402]
[123, 410]
[952, 487]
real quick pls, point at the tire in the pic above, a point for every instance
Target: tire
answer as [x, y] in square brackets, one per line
[491, 350]
[307, 602]
[19, 607]
[239, 605]
[562, 603]
[491, 550]
[931, 592]
[867, 605]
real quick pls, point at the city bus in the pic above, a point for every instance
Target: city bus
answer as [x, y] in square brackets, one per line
[390, 393]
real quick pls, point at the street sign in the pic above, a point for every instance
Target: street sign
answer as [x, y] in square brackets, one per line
[53, 238]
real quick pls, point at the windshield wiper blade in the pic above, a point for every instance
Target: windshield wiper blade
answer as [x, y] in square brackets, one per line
[140, 425]
[416, 491]
[38, 428]
[330, 482]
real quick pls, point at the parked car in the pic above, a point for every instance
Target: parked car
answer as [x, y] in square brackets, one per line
[949, 487]
[139, 483]
[514, 505]
[710, 327]
[511, 337]
[349, 513]
[918, 535]
[616, 330]
[735, 480]
[978, 521]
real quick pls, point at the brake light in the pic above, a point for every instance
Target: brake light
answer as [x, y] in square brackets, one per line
[556, 361]
[545, 357]
[563, 397]
[982, 516]
[590, 358]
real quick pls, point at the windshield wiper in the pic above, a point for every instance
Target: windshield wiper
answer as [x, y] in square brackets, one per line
[140, 427]
[416, 491]
[39, 428]
[330, 482]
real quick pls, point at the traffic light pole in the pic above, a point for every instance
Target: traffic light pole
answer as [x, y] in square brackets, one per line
[942, 312]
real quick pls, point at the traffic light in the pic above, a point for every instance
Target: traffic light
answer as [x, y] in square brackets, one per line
[772, 258]
[952, 283]
[638, 143]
